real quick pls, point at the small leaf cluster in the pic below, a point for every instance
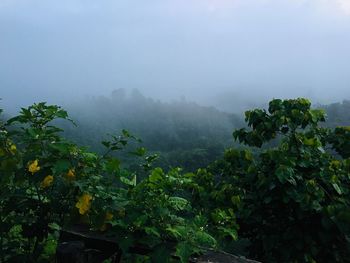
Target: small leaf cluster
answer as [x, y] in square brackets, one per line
[283, 117]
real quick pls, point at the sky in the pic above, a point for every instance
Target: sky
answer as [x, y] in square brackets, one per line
[215, 52]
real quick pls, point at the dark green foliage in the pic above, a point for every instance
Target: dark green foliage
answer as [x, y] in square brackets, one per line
[287, 200]
[295, 197]
[340, 140]
[48, 183]
[27, 212]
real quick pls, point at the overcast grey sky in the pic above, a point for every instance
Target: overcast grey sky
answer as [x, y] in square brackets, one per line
[206, 50]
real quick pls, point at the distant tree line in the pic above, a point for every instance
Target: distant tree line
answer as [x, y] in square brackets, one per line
[183, 132]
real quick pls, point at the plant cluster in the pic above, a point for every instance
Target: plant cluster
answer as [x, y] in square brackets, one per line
[48, 183]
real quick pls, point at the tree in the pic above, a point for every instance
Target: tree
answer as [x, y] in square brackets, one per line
[295, 204]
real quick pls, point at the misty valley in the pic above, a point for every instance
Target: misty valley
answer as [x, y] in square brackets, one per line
[169, 182]
[175, 131]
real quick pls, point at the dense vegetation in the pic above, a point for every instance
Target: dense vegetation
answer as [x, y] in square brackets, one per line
[287, 203]
[55, 183]
[295, 197]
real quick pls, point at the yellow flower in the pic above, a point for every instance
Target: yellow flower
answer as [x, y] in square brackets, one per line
[33, 167]
[84, 203]
[121, 212]
[109, 216]
[71, 174]
[48, 180]
[103, 228]
[13, 148]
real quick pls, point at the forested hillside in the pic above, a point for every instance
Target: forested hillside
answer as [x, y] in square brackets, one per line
[183, 133]
[338, 114]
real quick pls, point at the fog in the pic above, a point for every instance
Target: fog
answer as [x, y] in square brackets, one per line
[225, 53]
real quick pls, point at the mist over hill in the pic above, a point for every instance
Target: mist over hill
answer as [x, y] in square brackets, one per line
[184, 133]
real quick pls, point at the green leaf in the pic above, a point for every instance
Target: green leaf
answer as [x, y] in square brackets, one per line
[61, 147]
[112, 165]
[337, 188]
[178, 203]
[176, 231]
[106, 144]
[310, 142]
[161, 254]
[184, 251]
[125, 243]
[236, 200]
[62, 114]
[204, 239]
[61, 166]
[285, 174]
[231, 232]
[152, 231]
[156, 175]
[141, 151]
[127, 181]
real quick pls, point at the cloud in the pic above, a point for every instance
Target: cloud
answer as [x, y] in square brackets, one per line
[212, 6]
[344, 5]
[219, 5]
